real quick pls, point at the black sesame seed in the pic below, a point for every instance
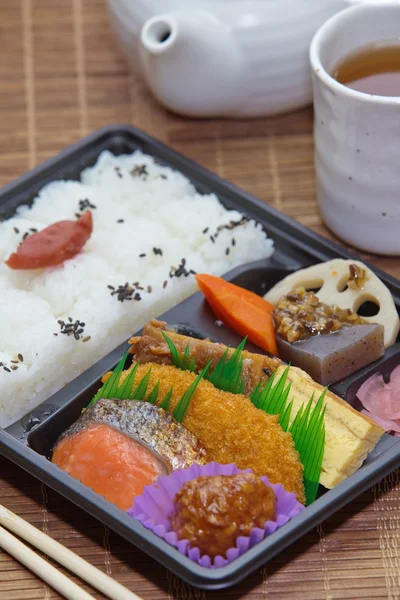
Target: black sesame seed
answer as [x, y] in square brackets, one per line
[227, 251]
[84, 204]
[1, 364]
[142, 255]
[111, 287]
[78, 215]
[157, 251]
[120, 220]
[33, 229]
[71, 328]
[20, 358]
[139, 170]
[118, 172]
[163, 176]
[137, 297]
[165, 284]
[229, 226]
[181, 270]
[206, 230]
[233, 242]
[212, 239]
[16, 229]
[123, 292]
[7, 369]
[15, 362]
[149, 289]
[25, 236]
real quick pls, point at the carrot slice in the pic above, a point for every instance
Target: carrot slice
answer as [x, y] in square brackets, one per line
[245, 312]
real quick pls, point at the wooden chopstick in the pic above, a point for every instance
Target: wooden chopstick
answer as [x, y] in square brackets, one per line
[74, 563]
[41, 567]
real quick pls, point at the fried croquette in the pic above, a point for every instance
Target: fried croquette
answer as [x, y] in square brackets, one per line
[230, 427]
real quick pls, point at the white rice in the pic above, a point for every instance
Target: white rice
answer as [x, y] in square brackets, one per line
[160, 210]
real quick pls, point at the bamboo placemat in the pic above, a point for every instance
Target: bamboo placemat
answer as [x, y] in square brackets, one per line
[61, 76]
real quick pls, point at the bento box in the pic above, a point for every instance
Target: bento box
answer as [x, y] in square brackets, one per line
[29, 441]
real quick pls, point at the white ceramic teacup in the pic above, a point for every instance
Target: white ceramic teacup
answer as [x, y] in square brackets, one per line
[357, 135]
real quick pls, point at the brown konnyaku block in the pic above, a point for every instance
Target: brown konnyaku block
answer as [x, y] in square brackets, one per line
[331, 357]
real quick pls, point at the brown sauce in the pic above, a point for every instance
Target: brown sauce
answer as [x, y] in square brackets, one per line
[301, 315]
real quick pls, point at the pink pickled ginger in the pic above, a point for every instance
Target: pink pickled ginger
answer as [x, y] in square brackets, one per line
[381, 400]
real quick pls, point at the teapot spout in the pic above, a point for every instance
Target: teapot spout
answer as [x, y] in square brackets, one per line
[191, 63]
[159, 34]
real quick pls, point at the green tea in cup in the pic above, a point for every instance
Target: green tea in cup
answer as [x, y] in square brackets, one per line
[372, 69]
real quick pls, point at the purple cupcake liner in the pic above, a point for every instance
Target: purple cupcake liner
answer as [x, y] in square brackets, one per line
[155, 508]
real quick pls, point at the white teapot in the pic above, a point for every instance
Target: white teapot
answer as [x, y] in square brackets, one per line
[223, 58]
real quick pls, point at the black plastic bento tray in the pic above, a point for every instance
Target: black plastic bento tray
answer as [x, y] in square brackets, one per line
[29, 441]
